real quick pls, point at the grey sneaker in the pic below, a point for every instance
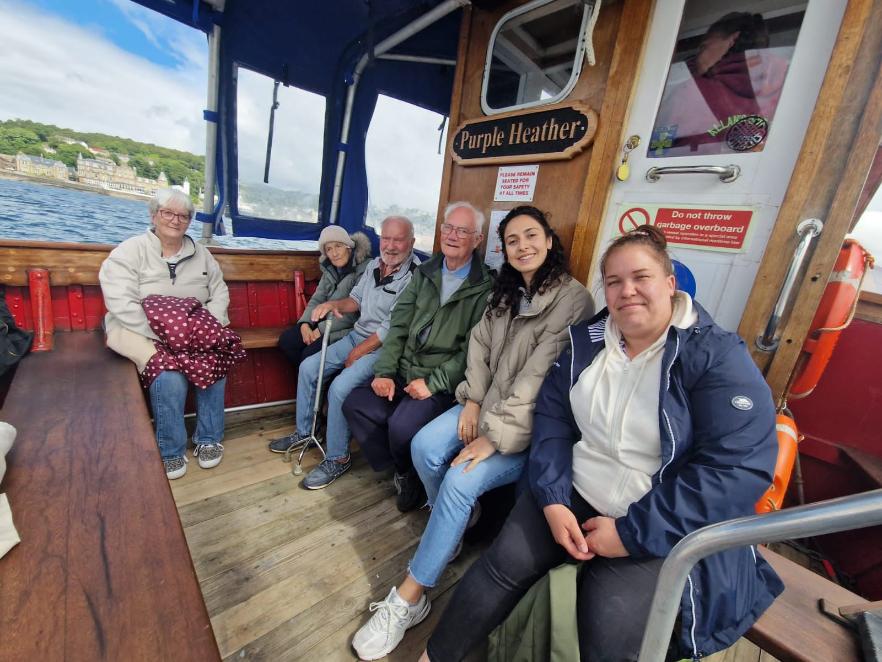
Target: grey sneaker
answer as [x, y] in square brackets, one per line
[385, 630]
[291, 442]
[209, 455]
[175, 467]
[326, 473]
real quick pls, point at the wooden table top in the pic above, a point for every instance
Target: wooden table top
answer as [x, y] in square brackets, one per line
[103, 571]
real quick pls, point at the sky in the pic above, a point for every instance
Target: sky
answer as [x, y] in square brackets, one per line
[115, 67]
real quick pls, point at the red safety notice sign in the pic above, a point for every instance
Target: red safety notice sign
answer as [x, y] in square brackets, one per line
[718, 229]
[632, 219]
[710, 228]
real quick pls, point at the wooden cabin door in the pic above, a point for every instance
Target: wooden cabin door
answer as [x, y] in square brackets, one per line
[723, 100]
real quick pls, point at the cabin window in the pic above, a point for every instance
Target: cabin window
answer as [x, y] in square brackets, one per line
[292, 193]
[868, 231]
[535, 54]
[404, 166]
[729, 66]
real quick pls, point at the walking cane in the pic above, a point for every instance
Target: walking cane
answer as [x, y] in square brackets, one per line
[297, 469]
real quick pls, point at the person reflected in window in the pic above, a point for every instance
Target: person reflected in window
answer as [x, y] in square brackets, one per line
[733, 76]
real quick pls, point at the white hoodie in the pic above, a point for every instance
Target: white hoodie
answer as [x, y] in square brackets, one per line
[615, 405]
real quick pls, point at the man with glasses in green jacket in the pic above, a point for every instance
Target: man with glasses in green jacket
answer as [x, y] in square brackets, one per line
[424, 354]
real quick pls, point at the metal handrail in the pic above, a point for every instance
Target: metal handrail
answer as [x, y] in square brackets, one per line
[727, 174]
[806, 231]
[857, 511]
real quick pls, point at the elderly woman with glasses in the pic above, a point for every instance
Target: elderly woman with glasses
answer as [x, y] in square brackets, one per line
[165, 261]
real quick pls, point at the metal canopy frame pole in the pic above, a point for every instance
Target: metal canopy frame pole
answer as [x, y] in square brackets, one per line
[857, 511]
[387, 44]
[211, 129]
[417, 58]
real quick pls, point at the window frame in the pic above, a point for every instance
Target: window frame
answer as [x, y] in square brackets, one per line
[587, 8]
[236, 213]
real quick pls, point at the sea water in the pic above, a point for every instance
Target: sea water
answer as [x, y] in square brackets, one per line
[37, 212]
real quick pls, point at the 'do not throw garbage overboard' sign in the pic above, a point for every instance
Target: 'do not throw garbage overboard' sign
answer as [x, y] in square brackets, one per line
[691, 226]
[525, 136]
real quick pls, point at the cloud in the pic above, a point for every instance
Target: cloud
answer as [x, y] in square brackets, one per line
[59, 73]
[404, 166]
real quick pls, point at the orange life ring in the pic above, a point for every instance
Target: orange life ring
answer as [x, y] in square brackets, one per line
[834, 313]
[788, 438]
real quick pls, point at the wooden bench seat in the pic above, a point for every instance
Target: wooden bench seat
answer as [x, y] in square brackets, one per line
[103, 571]
[794, 629]
[260, 338]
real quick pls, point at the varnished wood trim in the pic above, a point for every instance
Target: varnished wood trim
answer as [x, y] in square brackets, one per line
[628, 54]
[78, 264]
[870, 307]
[455, 113]
[102, 571]
[839, 147]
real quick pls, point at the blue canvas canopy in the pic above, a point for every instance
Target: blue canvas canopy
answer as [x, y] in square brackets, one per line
[315, 46]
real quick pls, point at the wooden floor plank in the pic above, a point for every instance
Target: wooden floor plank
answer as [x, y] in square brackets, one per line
[233, 479]
[288, 573]
[230, 540]
[300, 583]
[238, 453]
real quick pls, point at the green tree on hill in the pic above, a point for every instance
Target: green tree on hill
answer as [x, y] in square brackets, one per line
[28, 137]
[14, 140]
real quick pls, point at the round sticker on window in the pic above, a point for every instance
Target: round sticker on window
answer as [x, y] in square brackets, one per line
[747, 133]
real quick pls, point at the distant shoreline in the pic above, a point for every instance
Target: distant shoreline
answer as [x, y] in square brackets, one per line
[60, 183]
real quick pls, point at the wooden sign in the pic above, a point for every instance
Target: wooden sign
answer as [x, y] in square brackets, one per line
[545, 134]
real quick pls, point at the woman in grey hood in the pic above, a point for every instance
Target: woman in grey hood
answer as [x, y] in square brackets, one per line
[343, 260]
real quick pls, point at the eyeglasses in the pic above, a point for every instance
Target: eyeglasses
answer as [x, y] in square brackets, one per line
[169, 215]
[462, 233]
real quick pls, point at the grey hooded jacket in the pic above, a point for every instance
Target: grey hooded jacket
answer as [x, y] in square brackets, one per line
[334, 285]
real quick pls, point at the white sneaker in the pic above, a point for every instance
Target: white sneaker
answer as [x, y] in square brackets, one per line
[209, 455]
[175, 467]
[385, 630]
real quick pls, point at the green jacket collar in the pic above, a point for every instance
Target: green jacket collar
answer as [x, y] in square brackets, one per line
[478, 272]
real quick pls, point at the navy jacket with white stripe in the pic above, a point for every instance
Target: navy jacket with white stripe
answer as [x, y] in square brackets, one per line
[717, 459]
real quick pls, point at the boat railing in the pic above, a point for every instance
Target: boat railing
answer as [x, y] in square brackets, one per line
[842, 514]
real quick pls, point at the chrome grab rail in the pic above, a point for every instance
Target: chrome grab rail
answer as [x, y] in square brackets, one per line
[850, 512]
[806, 231]
[727, 174]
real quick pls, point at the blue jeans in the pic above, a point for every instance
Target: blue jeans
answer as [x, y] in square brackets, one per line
[168, 393]
[451, 491]
[358, 373]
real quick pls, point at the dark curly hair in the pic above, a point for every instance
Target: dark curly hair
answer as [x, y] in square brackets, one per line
[507, 289]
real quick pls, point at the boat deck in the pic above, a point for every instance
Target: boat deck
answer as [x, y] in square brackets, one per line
[286, 573]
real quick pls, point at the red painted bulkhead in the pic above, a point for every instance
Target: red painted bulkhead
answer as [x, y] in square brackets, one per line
[266, 376]
[842, 450]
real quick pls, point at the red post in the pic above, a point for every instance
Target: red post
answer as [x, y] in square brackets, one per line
[41, 306]
[299, 294]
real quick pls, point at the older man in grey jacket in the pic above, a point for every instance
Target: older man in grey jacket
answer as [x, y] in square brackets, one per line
[354, 355]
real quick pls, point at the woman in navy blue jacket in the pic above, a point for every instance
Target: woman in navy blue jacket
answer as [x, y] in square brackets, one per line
[654, 423]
